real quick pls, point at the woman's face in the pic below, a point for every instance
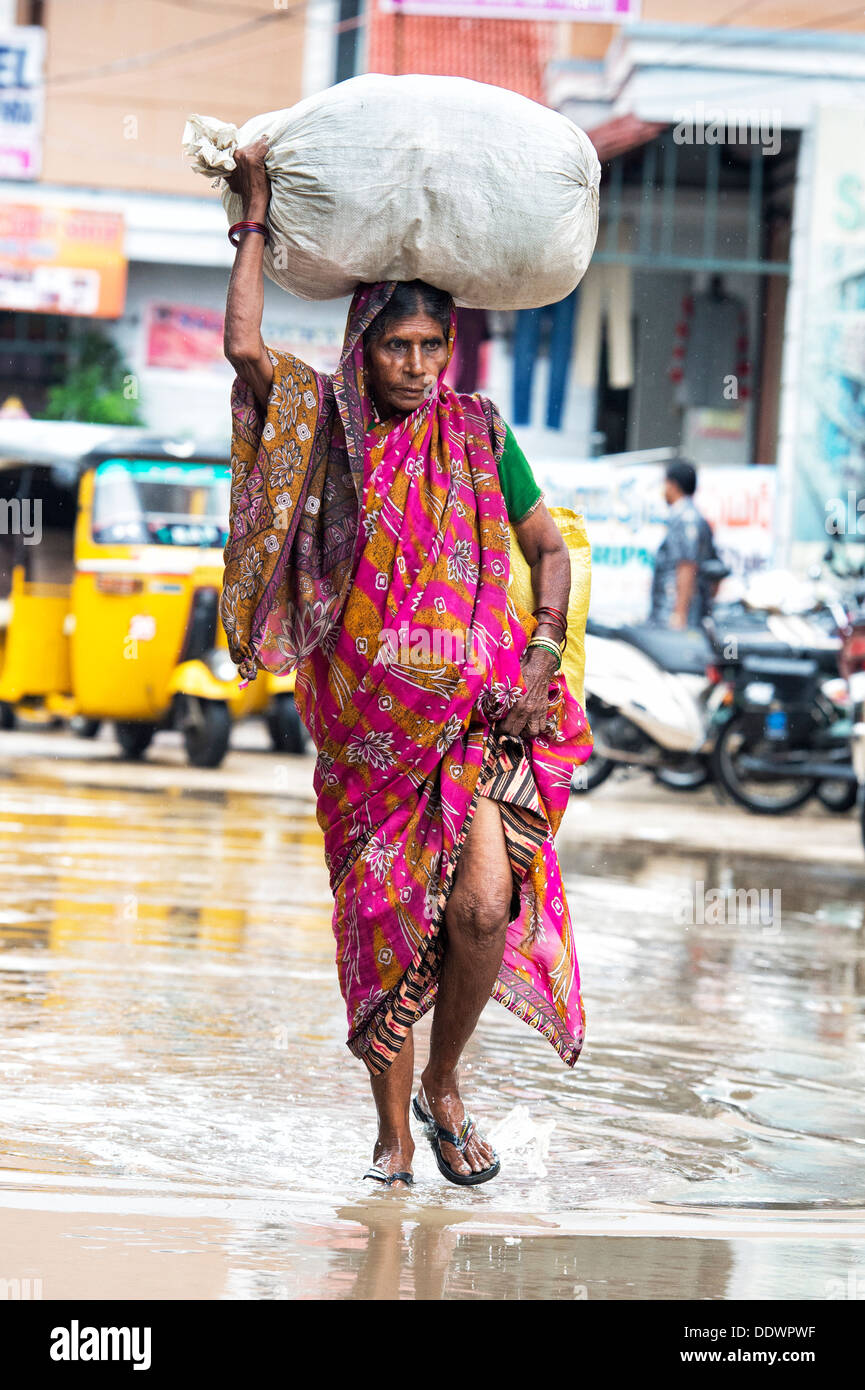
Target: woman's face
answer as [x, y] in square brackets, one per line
[404, 364]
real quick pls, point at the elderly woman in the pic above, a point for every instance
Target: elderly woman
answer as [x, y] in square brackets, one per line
[368, 550]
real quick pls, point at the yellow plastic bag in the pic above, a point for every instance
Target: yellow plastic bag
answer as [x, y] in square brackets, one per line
[573, 529]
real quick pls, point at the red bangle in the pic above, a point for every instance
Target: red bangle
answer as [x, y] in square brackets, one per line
[245, 227]
[552, 615]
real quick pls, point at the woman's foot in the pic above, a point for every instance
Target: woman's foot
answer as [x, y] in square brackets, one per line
[441, 1099]
[394, 1154]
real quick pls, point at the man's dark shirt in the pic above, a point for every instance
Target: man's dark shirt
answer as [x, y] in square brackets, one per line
[688, 541]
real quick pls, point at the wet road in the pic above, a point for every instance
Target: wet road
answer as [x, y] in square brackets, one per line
[181, 1119]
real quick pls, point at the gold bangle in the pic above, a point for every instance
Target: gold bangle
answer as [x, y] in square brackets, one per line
[541, 644]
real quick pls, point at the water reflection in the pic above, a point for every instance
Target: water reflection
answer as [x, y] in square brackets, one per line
[176, 1078]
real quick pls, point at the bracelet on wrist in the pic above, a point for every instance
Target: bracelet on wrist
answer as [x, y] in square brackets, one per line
[552, 617]
[545, 611]
[246, 225]
[561, 637]
[542, 644]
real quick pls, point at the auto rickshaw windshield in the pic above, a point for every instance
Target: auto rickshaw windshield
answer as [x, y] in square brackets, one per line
[155, 502]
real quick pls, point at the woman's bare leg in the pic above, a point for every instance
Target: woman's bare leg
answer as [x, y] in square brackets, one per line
[391, 1091]
[476, 922]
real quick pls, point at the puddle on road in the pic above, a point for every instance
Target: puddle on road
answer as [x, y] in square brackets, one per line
[181, 1114]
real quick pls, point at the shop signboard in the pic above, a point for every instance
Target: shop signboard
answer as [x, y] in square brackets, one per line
[61, 260]
[184, 337]
[625, 514]
[22, 56]
[315, 334]
[829, 460]
[592, 11]
[190, 337]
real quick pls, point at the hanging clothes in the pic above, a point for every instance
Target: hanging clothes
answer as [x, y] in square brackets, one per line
[527, 343]
[607, 296]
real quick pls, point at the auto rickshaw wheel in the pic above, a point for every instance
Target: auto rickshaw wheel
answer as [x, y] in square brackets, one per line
[82, 727]
[285, 726]
[206, 726]
[134, 737]
[7, 716]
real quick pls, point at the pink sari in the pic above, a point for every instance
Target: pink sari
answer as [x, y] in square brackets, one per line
[407, 650]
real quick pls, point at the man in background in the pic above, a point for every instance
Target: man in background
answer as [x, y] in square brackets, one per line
[681, 591]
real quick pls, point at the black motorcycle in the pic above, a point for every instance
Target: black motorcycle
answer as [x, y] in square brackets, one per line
[780, 739]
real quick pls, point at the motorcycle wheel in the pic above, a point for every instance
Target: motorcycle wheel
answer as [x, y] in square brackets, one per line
[285, 726]
[765, 798]
[837, 796]
[687, 775]
[134, 738]
[7, 716]
[206, 726]
[591, 774]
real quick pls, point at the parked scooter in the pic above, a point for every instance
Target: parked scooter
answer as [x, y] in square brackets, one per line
[666, 699]
[649, 702]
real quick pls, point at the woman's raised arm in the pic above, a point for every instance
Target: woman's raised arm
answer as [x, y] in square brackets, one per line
[243, 344]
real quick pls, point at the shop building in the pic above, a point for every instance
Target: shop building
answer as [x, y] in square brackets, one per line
[103, 225]
[721, 317]
[732, 240]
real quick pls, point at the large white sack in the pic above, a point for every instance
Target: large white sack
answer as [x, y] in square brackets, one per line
[470, 187]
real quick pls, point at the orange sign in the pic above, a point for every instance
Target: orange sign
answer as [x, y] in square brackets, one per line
[57, 260]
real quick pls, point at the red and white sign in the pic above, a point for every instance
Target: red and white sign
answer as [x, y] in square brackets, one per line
[185, 337]
[626, 519]
[592, 11]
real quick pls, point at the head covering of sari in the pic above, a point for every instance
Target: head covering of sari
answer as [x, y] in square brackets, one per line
[295, 500]
[372, 557]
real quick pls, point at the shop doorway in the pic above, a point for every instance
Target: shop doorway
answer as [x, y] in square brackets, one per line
[36, 352]
[701, 232]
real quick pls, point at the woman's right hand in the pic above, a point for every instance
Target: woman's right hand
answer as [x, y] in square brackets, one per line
[250, 178]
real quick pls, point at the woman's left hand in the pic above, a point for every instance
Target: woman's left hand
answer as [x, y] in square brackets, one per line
[528, 716]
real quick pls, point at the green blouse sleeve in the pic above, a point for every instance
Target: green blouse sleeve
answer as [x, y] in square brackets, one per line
[520, 491]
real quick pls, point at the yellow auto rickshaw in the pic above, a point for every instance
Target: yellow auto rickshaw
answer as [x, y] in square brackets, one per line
[110, 576]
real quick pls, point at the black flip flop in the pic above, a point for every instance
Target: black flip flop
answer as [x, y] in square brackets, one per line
[438, 1135]
[389, 1178]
